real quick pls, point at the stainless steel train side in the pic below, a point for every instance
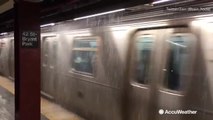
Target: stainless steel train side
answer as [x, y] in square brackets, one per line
[169, 64]
[7, 57]
[96, 95]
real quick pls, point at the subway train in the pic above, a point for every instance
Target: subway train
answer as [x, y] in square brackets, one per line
[153, 65]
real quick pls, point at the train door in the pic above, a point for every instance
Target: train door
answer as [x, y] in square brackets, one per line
[49, 49]
[11, 60]
[176, 72]
[158, 64]
[144, 65]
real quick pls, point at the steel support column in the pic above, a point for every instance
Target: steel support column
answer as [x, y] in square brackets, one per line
[27, 60]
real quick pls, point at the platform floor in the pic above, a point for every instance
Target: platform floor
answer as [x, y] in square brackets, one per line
[49, 110]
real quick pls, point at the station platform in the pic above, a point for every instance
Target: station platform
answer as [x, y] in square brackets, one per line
[49, 110]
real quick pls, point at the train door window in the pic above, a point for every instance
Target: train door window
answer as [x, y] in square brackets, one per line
[144, 47]
[53, 55]
[49, 45]
[84, 55]
[178, 56]
[45, 52]
[1, 46]
[0, 49]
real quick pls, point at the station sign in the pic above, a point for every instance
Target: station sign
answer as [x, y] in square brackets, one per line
[30, 39]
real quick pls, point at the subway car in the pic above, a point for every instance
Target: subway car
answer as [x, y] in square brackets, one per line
[152, 65]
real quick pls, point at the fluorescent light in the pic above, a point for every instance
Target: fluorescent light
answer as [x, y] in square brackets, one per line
[4, 33]
[45, 25]
[206, 19]
[201, 16]
[160, 1]
[99, 14]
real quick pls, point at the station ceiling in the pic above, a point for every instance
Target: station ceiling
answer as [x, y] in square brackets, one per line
[59, 10]
[5, 5]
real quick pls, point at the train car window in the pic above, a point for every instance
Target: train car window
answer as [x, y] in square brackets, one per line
[176, 61]
[84, 56]
[144, 45]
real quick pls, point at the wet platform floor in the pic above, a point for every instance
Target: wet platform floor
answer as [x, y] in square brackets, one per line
[7, 106]
[49, 110]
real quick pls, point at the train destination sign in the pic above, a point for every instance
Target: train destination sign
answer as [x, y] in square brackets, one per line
[30, 39]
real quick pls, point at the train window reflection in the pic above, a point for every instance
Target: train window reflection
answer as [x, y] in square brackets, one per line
[176, 61]
[144, 45]
[84, 56]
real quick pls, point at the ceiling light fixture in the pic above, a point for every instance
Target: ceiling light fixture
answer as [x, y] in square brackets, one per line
[46, 25]
[4, 33]
[99, 14]
[160, 1]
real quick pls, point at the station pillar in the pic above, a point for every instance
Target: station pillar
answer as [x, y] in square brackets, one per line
[27, 60]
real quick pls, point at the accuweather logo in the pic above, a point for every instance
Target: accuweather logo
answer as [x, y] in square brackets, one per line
[175, 112]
